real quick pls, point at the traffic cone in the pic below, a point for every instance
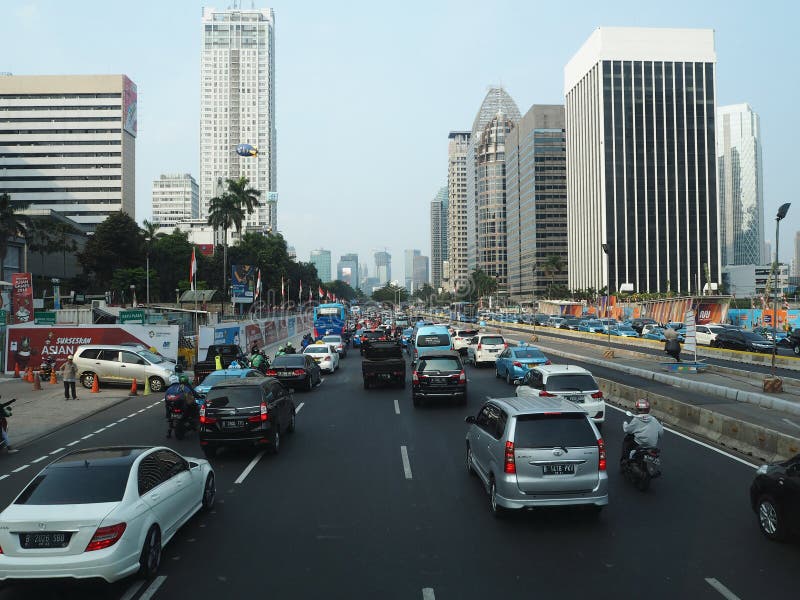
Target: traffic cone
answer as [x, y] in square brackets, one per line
[29, 375]
[146, 391]
[134, 388]
[95, 385]
[16, 370]
[53, 378]
[37, 382]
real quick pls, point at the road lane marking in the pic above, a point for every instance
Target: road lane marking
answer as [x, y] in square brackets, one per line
[133, 590]
[40, 459]
[73, 443]
[140, 411]
[22, 468]
[122, 419]
[725, 592]
[110, 425]
[101, 429]
[396, 407]
[87, 436]
[698, 442]
[301, 405]
[3, 477]
[406, 464]
[56, 451]
[427, 594]
[133, 414]
[250, 467]
[153, 587]
[791, 423]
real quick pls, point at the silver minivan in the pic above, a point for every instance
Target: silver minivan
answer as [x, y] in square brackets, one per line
[120, 365]
[533, 452]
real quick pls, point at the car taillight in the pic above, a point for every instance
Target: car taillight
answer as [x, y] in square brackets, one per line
[264, 415]
[548, 362]
[326, 359]
[203, 418]
[601, 462]
[462, 377]
[597, 395]
[177, 411]
[271, 372]
[299, 372]
[509, 465]
[480, 346]
[416, 353]
[105, 537]
[546, 394]
[505, 345]
[414, 377]
[516, 363]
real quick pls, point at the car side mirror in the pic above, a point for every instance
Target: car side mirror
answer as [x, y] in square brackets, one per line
[470, 419]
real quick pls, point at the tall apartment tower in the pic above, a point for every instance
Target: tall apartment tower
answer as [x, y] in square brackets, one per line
[383, 267]
[321, 259]
[536, 201]
[176, 199]
[438, 236]
[408, 264]
[68, 143]
[237, 106]
[347, 270]
[641, 165]
[498, 108]
[740, 177]
[456, 274]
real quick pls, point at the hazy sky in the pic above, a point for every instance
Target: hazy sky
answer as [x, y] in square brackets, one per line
[368, 91]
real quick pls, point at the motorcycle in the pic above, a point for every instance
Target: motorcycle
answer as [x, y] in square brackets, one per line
[5, 412]
[641, 467]
[182, 416]
[47, 366]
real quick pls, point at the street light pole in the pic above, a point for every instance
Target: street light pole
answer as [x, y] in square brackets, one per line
[148, 276]
[778, 218]
[607, 251]
[533, 300]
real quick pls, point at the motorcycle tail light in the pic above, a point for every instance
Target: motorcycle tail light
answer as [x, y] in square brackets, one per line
[601, 460]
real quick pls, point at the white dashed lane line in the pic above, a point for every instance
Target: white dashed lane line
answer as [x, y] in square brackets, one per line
[73, 443]
[22, 468]
[406, 463]
[301, 405]
[249, 467]
[100, 430]
[3, 477]
[427, 594]
[724, 591]
[87, 436]
[153, 587]
[40, 459]
[396, 407]
[56, 451]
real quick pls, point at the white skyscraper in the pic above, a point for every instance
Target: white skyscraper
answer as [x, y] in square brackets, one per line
[175, 199]
[741, 194]
[237, 103]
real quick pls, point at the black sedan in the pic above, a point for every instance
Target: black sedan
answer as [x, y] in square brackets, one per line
[439, 376]
[298, 371]
[775, 498]
[736, 339]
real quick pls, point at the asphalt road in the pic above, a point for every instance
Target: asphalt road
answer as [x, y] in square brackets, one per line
[339, 515]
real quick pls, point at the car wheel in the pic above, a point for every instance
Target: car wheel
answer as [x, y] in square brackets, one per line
[209, 451]
[209, 492]
[156, 384]
[497, 510]
[87, 380]
[509, 381]
[770, 519]
[290, 428]
[309, 383]
[497, 371]
[180, 430]
[470, 468]
[275, 443]
[150, 559]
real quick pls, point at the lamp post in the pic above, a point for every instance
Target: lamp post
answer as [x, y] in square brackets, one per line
[776, 385]
[533, 300]
[177, 297]
[133, 295]
[609, 353]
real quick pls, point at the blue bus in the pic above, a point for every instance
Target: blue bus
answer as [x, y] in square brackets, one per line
[463, 311]
[329, 319]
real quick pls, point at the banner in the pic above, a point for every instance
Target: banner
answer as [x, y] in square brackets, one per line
[22, 297]
[243, 283]
[690, 339]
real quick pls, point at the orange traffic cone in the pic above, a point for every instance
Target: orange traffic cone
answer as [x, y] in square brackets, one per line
[16, 370]
[53, 376]
[37, 382]
[95, 385]
[29, 375]
[134, 388]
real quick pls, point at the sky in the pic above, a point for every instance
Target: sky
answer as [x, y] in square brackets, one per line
[366, 92]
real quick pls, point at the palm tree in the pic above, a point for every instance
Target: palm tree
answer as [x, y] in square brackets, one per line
[11, 225]
[553, 264]
[247, 196]
[63, 243]
[223, 212]
[40, 239]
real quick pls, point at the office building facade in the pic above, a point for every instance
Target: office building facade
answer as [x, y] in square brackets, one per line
[439, 209]
[408, 268]
[176, 198]
[641, 165]
[347, 270]
[740, 181]
[383, 268]
[457, 273]
[421, 272]
[321, 259]
[237, 106]
[68, 144]
[536, 202]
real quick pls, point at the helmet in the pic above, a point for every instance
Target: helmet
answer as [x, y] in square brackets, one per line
[642, 406]
[288, 344]
[254, 349]
[178, 368]
[183, 379]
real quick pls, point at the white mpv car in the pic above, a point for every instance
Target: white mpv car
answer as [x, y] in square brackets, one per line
[570, 382]
[484, 348]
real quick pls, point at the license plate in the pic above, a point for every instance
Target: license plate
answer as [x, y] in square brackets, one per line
[284, 372]
[490, 350]
[559, 469]
[652, 459]
[576, 399]
[233, 424]
[51, 539]
[438, 381]
[317, 360]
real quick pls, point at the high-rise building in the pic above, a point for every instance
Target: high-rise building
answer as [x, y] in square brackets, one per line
[291, 252]
[321, 259]
[796, 254]
[347, 270]
[420, 272]
[740, 182]
[496, 103]
[408, 265]
[457, 273]
[237, 106]
[438, 235]
[383, 267]
[68, 144]
[176, 199]
[363, 273]
[641, 167]
[536, 202]
[768, 252]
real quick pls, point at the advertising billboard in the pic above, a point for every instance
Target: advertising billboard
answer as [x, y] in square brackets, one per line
[243, 283]
[129, 108]
[22, 297]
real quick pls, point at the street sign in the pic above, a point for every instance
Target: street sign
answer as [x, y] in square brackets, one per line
[690, 340]
[134, 317]
[44, 317]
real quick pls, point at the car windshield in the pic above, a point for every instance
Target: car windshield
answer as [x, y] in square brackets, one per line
[83, 484]
[753, 337]
[332, 339]
[466, 332]
[656, 331]
[528, 353]
[289, 360]
[571, 382]
[153, 358]
[594, 323]
[554, 431]
[216, 378]
[438, 364]
[492, 340]
[234, 397]
[317, 349]
[408, 331]
[429, 340]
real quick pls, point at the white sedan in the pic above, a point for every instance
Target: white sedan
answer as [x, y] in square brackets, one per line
[102, 512]
[324, 355]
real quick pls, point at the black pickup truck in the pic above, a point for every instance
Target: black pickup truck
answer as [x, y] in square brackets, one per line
[383, 362]
[227, 352]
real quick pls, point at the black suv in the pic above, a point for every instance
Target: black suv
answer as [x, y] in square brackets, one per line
[638, 324]
[439, 375]
[736, 339]
[246, 412]
[775, 498]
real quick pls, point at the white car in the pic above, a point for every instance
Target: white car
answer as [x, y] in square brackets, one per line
[324, 355]
[649, 327]
[102, 513]
[706, 334]
[461, 339]
[484, 348]
[338, 344]
[570, 382]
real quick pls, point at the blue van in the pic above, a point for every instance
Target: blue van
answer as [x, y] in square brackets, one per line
[429, 339]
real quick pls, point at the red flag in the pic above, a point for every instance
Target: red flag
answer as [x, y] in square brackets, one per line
[258, 286]
[320, 292]
[300, 292]
[192, 270]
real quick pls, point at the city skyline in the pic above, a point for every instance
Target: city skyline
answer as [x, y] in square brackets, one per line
[390, 83]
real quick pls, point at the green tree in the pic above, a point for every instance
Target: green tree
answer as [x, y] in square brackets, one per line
[481, 284]
[553, 265]
[39, 236]
[244, 194]
[12, 224]
[117, 243]
[63, 242]
[342, 290]
[390, 293]
[425, 293]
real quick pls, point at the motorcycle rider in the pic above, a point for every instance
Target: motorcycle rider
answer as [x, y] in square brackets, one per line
[5, 411]
[643, 430]
[289, 349]
[257, 359]
[183, 389]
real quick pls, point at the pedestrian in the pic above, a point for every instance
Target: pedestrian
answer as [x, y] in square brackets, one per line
[671, 344]
[69, 373]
